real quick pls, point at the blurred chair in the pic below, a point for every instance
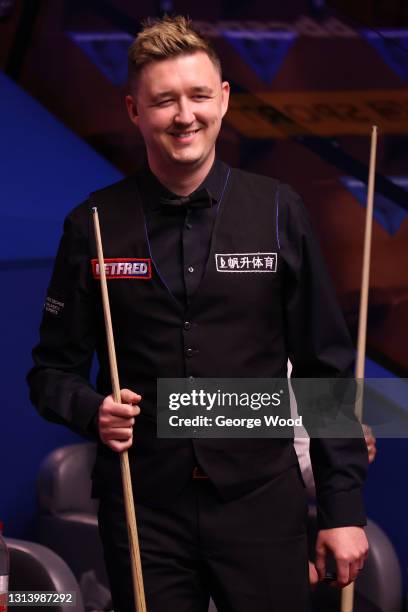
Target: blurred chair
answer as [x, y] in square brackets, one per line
[380, 581]
[36, 568]
[67, 519]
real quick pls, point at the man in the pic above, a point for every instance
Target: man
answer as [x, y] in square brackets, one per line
[220, 517]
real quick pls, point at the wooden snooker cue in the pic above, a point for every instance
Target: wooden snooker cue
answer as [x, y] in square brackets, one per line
[135, 562]
[347, 594]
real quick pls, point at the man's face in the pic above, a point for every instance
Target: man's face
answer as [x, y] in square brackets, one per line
[178, 107]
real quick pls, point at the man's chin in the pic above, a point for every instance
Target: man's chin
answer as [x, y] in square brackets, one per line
[187, 159]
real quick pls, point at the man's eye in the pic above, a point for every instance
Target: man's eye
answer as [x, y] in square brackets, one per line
[166, 102]
[201, 97]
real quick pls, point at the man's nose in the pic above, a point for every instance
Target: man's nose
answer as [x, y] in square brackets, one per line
[185, 114]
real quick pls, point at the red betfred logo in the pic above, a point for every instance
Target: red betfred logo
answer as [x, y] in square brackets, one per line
[124, 267]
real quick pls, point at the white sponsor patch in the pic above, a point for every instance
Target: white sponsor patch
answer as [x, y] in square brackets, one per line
[246, 262]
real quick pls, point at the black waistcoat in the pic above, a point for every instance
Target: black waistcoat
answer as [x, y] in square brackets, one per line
[233, 327]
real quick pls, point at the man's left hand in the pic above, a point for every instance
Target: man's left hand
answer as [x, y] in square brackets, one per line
[348, 546]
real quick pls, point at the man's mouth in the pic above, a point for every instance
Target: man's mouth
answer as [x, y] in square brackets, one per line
[184, 135]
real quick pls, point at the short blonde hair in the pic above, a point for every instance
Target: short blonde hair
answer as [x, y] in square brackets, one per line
[163, 38]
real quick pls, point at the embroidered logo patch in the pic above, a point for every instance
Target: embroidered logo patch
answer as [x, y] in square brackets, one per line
[246, 262]
[136, 269]
[53, 306]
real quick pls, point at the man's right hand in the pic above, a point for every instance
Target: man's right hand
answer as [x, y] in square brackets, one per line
[115, 421]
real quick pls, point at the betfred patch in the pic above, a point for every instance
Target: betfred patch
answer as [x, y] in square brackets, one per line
[132, 269]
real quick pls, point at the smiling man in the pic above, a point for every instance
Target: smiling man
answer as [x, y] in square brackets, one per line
[185, 240]
[178, 105]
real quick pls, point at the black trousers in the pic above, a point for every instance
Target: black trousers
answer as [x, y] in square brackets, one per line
[249, 554]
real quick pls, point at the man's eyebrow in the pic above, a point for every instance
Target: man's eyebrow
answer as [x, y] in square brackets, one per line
[202, 89]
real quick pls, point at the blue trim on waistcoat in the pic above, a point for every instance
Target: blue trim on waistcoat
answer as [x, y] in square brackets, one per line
[277, 217]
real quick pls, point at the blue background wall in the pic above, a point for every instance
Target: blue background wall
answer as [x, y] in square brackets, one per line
[44, 171]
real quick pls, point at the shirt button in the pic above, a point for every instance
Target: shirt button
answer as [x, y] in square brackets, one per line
[191, 269]
[191, 379]
[188, 226]
[189, 352]
[187, 325]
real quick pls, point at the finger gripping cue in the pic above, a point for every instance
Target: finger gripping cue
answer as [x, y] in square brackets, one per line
[135, 562]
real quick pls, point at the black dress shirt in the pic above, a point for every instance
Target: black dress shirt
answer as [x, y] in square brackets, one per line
[179, 237]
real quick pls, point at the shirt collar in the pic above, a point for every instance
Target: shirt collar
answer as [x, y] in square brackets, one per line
[152, 190]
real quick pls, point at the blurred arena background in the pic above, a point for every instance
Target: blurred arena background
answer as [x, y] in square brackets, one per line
[309, 79]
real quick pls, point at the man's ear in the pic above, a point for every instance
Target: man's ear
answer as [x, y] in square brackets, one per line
[225, 94]
[132, 109]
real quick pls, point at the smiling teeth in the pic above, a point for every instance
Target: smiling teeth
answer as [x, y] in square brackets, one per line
[186, 134]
